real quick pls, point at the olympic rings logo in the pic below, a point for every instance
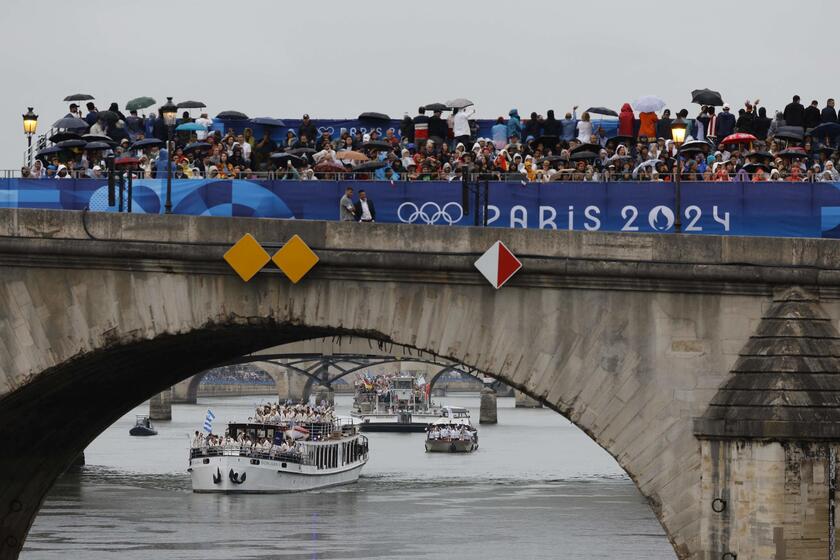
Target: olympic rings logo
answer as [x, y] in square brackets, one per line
[430, 213]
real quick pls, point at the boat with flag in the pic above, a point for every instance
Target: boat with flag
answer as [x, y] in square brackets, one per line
[399, 403]
[271, 455]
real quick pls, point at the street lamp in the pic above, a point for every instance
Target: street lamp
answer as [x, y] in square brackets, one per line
[678, 136]
[30, 124]
[169, 113]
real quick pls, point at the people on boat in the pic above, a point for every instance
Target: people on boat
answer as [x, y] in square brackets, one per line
[298, 413]
[451, 432]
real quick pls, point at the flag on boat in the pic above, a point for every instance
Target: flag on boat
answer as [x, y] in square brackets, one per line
[208, 421]
[297, 432]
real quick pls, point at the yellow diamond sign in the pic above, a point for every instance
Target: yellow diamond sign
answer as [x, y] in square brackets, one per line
[295, 259]
[247, 257]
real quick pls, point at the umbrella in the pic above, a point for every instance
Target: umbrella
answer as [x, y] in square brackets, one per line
[586, 148]
[794, 133]
[830, 129]
[619, 158]
[738, 138]
[371, 166]
[706, 97]
[649, 104]
[691, 150]
[436, 107]
[77, 143]
[753, 167]
[792, 153]
[379, 145]
[350, 155]
[49, 151]
[98, 146]
[98, 138]
[191, 105]
[126, 160]
[459, 103]
[328, 167]
[232, 116]
[281, 158]
[551, 159]
[190, 126]
[302, 151]
[372, 116]
[108, 116]
[268, 121]
[65, 135]
[696, 145]
[644, 164]
[760, 155]
[583, 155]
[196, 146]
[620, 140]
[70, 123]
[146, 142]
[78, 97]
[139, 103]
[602, 111]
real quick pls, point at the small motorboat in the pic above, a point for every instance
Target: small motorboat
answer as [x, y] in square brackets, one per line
[143, 427]
[451, 435]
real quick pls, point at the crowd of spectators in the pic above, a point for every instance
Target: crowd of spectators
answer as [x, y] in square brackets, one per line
[236, 375]
[797, 144]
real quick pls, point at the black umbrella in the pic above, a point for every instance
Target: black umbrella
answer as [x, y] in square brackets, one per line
[78, 97]
[196, 146]
[72, 123]
[620, 140]
[146, 142]
[602, 111]
[706, 97]
[753, 167]
[77, 143]
[830, 129]
[760, 155]
[232, 116]
[691, 150]
[302, 151]
[108, 116]
[371, 166]
[49, 151]
[586, 148]
[65, 135]
[97, 146]
[436, 107]
[268, 121]
[696, 144]
[380, 145]
[792, 154]
[583, 155]
[98, 138]
[191, 105]
[793, 133]
[551, 159]
[280, 158]
[372, 116]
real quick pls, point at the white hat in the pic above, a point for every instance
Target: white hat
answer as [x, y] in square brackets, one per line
[726, 106]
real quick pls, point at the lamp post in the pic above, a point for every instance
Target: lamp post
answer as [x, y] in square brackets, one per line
[169, 113]
[678, 136]
[30, 125]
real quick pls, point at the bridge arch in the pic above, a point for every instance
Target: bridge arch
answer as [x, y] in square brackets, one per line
[630, 352]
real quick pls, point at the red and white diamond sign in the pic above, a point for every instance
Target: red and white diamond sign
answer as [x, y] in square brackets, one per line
[498, 264]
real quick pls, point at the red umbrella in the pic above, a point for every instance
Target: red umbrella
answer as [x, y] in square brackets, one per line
[738, 138]
[126, 161]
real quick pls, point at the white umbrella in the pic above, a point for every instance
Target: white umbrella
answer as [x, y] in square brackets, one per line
[647, 163]
[459, 103]
[649, 104]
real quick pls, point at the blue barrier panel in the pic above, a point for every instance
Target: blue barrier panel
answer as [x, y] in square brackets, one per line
[767, 209]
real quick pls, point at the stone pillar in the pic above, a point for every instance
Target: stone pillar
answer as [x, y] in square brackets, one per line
[324, 393]
[160, 406]
[488, 407]
[524, 401]
[77, 463]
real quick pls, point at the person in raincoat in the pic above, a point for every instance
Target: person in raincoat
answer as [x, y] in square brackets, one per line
[647, 125]
[499, 133]
[626, 121]
[514, 124]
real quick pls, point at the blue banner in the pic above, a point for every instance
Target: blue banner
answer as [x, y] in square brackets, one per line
[766, 209]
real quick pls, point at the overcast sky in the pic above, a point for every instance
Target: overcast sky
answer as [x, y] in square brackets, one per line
[339, 58]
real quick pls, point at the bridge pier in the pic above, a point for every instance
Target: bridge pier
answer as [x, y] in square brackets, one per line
[524, 401]
[160, 406]
[487, 414]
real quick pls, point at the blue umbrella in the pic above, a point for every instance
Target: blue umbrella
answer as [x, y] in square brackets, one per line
[830, 129]
[191, 126]
[268, 121]
[147, 142]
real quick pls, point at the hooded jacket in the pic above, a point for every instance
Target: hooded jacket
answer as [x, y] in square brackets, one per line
[725, 124]
[532, 127]
[647, 125]
[514, 124]
[761, 124]
[551, 126]
[626, 121]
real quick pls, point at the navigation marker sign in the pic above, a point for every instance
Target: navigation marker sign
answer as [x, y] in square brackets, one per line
[498, 264]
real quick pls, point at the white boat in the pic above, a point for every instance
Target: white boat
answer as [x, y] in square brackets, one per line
[404, 407]
[451, 435]
[333, 454]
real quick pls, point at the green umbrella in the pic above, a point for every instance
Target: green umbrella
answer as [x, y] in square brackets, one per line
[139, 103]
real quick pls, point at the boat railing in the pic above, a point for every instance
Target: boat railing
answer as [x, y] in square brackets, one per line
[246, 451]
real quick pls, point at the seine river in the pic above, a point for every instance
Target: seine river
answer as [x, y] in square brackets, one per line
[538, 488]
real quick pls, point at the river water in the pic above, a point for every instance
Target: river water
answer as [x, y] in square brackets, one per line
[538, 488]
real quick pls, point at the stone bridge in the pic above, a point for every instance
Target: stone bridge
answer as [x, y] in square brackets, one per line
[706, 366]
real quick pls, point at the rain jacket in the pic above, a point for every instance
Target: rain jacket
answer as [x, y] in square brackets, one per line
[626, 121]
[551, 127]
[725, 124]
[532, 127]
[514, 124]
[568, 127]
[499, 134]
[829, 114]
[647, 125]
